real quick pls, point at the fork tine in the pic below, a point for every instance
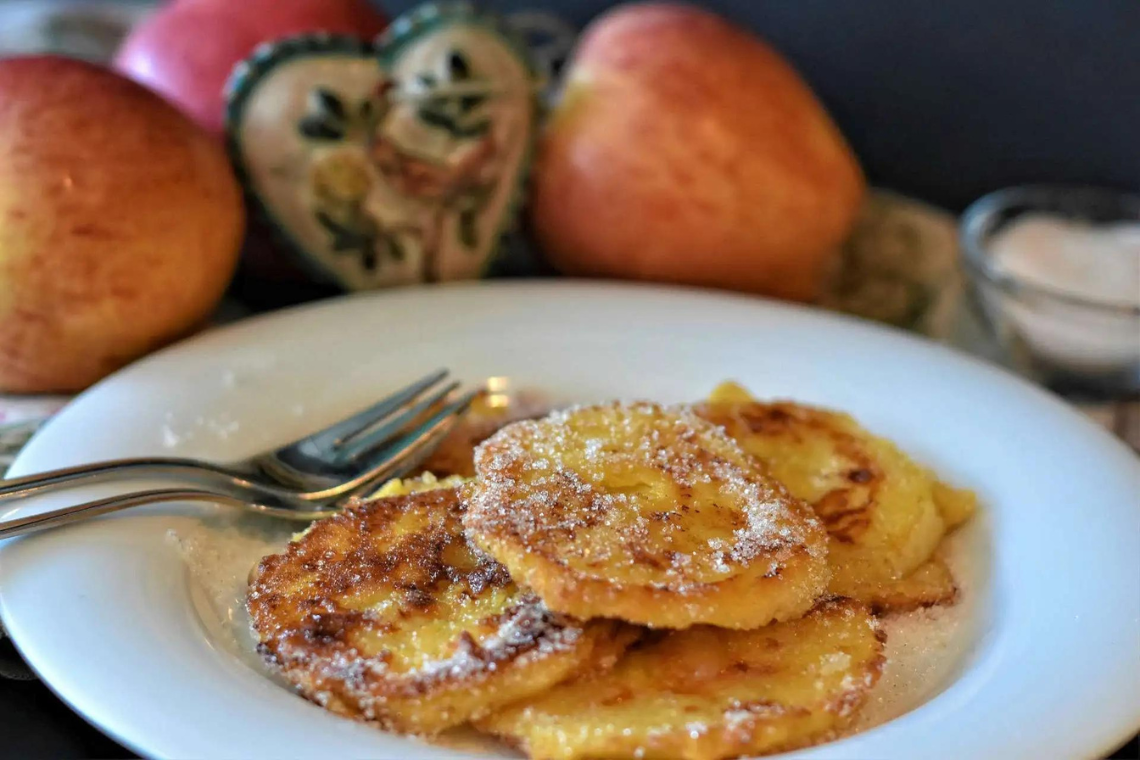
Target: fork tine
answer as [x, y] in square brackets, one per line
[411, 449]
[386, 430]
[362, 420]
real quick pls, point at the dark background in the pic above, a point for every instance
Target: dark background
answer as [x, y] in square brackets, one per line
[949, 99]
[944, 100]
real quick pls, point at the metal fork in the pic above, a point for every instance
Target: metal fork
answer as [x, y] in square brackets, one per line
[266, 505]
[299, 479]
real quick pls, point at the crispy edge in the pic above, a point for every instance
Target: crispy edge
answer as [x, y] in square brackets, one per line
[788, 592]
[932, 583]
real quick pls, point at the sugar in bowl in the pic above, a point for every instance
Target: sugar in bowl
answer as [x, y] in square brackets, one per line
[1055, 272]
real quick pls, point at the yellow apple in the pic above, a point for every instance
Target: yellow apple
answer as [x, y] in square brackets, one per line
[686, 150]
[120, 223]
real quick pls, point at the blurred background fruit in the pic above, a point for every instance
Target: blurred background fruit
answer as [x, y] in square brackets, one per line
[187, 49]
[687, 150]
[120, 223]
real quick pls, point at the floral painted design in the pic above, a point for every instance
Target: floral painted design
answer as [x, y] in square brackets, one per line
[395, 161]
[354, 150]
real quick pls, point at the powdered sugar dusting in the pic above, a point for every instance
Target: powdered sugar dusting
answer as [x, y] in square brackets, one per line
[528, 633]
[926, 647]
[438, 618]
[219, 554]
[619, 486]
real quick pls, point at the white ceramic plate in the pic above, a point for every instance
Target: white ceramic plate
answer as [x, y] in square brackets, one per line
[111, 617]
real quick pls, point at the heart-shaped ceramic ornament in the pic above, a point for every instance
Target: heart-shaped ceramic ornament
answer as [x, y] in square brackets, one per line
[392, 162]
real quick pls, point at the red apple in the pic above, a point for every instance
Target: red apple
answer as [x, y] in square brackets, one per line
[686, 150]
[120, 223]
[188, 48]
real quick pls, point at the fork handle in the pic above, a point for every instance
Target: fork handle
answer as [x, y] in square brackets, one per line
[66, 515]
[54, 480]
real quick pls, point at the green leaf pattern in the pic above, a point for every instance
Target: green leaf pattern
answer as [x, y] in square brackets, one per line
[329, 119]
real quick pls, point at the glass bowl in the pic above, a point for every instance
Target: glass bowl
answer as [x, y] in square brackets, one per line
[1073, 344]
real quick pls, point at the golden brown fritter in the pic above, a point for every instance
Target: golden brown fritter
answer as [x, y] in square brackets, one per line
[386, 613]
[707, 693]
[883, 512]
[646, 514]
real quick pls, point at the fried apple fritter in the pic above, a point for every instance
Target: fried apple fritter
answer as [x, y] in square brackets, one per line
[644, 514]
[955, 505]
[929, 584]
[385, 613]
[707, 693]
[880, 508]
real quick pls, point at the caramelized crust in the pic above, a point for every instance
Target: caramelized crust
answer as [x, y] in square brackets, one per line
[386, 613]
[646, 514]
[882, 511]
[929, 584]
[708, 693]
